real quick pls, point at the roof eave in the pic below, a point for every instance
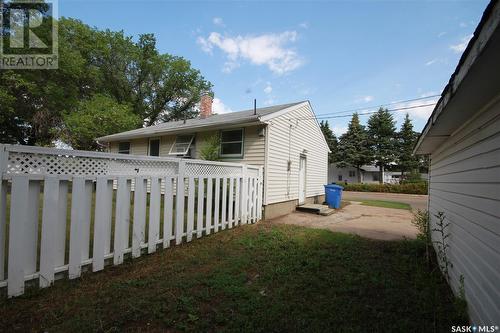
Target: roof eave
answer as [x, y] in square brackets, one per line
[482, 34]
[175, 131]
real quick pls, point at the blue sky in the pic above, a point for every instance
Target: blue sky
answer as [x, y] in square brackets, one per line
[339, 55]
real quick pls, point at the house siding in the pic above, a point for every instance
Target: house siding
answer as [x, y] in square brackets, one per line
[253, 146]
[285, 144]
[464, 185]
[137, 146]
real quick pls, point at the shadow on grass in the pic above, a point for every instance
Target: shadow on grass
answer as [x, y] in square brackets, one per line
[259, 277]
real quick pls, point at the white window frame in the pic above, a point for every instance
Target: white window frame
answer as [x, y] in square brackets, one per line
[242, 130]
[149, 145]
[173, 152]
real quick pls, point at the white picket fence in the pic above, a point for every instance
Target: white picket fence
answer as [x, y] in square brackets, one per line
[66, 210]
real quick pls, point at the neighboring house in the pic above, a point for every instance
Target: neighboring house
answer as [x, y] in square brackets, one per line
[285, 139]
[369, 174]
[462, 137]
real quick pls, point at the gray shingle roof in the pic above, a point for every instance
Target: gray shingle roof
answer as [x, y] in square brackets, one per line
[240, 117]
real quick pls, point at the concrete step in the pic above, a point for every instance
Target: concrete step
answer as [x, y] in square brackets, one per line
[315, 209]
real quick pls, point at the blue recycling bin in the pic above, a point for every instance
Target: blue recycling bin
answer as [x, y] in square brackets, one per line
[333, 195]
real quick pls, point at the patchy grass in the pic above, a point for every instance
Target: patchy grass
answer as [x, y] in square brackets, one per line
[255, 278]
[386, 204]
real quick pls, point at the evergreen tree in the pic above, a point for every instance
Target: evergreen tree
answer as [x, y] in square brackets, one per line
[331, 140]
[382, 139]
[353, 147]
[407, 139]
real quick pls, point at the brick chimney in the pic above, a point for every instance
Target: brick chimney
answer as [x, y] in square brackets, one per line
[205, 106]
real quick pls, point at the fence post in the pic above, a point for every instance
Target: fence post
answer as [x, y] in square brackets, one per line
[3, 208]
[244, 195]
[4, 157]
[179, 207]
[260, 189]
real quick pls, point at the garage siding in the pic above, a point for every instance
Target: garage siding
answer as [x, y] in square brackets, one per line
[465, 185]
[288, 143]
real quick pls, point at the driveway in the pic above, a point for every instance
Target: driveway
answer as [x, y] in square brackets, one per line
[366, 221]
[416, 201]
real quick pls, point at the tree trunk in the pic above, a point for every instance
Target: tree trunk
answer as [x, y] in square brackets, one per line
[358, 170]
[381, 174]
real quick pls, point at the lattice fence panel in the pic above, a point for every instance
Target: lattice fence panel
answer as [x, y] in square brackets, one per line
[32, 163]
[143, 167]
[203, 169]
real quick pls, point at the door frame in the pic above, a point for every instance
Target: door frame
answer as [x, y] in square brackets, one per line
[302, 188]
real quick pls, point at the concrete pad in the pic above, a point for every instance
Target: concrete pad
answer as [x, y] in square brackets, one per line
[366, 221]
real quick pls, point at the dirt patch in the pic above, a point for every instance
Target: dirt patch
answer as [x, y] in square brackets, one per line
[366, 221]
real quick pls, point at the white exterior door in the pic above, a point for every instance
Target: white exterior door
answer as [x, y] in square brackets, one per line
[302, 180]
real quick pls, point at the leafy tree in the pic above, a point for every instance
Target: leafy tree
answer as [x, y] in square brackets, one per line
[331, 140]
[158, 87]
[407, 139]
[382, 139]
[353, 147]
[101, 115]
[210, 149]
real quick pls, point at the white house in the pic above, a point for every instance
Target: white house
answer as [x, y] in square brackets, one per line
[462, 137]
[285, 139]
[369, 174]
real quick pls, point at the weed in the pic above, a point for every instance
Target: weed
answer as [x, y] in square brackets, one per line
[442, 245]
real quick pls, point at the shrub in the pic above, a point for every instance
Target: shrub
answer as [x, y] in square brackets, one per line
[421, 221]
[407, 188]
[210, 150]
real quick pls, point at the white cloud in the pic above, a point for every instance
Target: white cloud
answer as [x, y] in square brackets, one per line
[460, 47]
[219, 107]
[269, 101]
[304, 25]
[364, 99]
[430, 62]
[463, 25]
[417, 112]
[436, 61]
[218, 21]
[268, 89]
[339, 130]
[441, 34]
[269, 49]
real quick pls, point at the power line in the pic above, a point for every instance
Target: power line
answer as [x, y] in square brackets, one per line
[365, 113]
[380, 105]
[390, 110]
[350, 111]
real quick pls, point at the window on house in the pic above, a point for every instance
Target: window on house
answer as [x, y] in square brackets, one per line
[154, 147]
[182, 145]
[124, 148]
[231, 143]
[340, 178]
[352, 173]
[376, 177]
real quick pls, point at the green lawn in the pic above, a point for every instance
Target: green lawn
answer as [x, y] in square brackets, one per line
[386, 204]
[255, 278]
